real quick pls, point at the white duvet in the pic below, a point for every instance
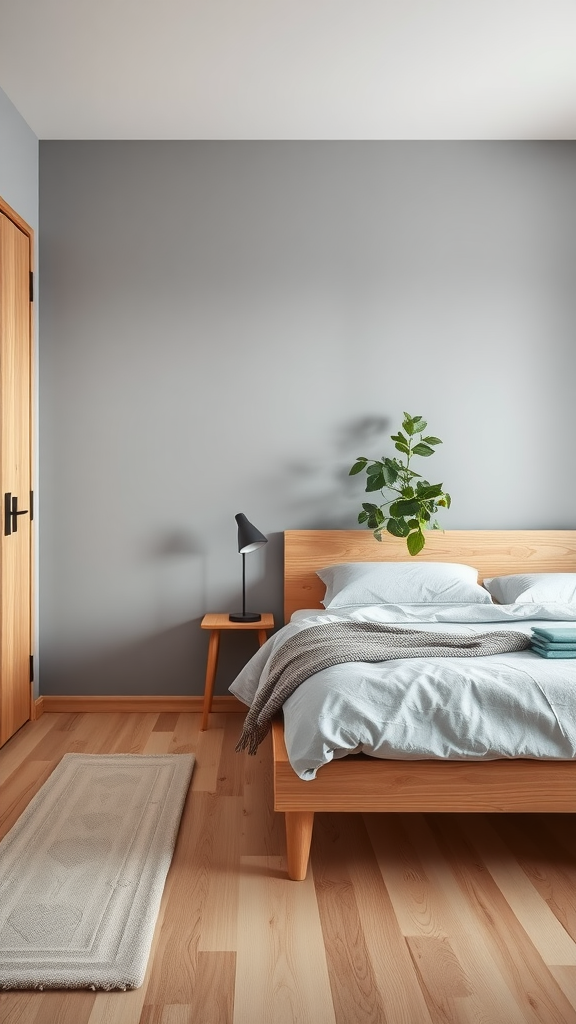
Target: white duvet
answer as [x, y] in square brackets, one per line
[512, 705]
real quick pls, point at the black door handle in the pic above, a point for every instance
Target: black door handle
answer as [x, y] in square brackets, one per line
[11, 513]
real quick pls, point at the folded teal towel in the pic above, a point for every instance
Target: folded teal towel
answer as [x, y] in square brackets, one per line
[559, 634]
[543, 653]
[551, 645]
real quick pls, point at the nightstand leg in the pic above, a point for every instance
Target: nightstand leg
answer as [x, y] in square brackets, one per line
[211, 666]
[262, 636]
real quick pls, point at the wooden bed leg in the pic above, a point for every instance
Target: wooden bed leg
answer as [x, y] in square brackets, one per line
[298, 838]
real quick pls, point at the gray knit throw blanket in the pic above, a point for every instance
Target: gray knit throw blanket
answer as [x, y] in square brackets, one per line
[333, 643]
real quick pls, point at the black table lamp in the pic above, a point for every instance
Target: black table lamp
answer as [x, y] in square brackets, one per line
[249, 538]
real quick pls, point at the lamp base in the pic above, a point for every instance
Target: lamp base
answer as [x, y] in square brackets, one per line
[245, 617]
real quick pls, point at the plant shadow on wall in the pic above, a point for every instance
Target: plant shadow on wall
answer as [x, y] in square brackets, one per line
[320, 490]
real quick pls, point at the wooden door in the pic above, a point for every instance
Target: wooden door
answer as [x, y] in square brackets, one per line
[15, 472]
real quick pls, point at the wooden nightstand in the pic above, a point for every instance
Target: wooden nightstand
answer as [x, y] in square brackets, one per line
[216, 622]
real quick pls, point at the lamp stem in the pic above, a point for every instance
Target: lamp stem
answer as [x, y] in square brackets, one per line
[243, 584]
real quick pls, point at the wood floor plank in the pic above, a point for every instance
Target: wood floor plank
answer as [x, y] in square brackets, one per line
[214, 996]
[208, 753]
[101, 731]
[394, 974]
[166, 721]
[566, 978]
[118, 1007]
[279, 977]
[263, 831]
[67, 721]
[444, 983]
[134, 733]
[232, 766]
[64, 1008]
[221, 849]
[428, 905]
[54, 744]
[175, 1014]
[18, 749]
[19, 1007]
[546, 933]
[173, 975]
[19, 789]
[536, 991]
[158, 743]
[185, 734]
[355, 991]
[548, 864]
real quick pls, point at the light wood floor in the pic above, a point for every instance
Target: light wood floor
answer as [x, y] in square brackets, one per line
[403, 919]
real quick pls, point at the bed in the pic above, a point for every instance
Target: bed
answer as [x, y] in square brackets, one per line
[364, 783]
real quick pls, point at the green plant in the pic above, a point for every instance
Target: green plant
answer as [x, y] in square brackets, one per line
[411, 512]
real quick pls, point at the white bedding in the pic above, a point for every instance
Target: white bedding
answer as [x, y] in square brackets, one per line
[513, 705]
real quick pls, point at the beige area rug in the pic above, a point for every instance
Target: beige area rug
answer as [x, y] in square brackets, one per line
[83, 869]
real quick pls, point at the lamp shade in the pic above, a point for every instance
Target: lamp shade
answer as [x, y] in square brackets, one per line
[249, 538]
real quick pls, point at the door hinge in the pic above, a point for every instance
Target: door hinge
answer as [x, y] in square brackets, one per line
[31, 286]
[31, 505]
[31, 668]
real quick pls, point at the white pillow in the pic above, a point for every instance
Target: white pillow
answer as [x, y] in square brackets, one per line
[533, 588]
[366, 583]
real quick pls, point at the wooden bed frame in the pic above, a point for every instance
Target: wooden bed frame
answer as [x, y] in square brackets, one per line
[363, 783]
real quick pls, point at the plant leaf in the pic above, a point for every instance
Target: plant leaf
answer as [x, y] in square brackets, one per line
[419, 424]
[390, 473]
[404, 507]
[432, 440]
[422, 449]
[401, 447]
[375, 519]
[397, 527]
[415, 542]
[432, 491]
[375, 481]
[358, 467]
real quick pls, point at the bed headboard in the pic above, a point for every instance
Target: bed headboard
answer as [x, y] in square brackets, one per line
[492, 552]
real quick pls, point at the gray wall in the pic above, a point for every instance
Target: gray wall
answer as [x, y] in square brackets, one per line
[18, 163]
[19, 188]
[227, 325]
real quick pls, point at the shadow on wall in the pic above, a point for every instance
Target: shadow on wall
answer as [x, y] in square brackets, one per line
[325, 496]
[172, 662]
[175, 543]
[168, 663]
[163, 663]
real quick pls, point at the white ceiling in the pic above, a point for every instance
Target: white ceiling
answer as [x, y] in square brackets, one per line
[291, 69]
